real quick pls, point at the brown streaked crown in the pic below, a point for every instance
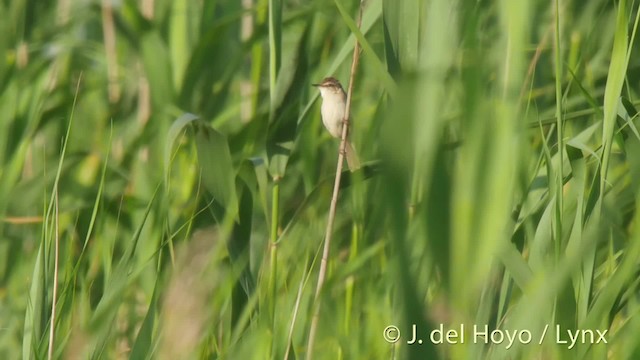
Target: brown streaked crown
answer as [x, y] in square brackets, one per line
[329, 82]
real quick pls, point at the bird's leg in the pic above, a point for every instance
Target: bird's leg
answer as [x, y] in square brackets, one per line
[343, 149]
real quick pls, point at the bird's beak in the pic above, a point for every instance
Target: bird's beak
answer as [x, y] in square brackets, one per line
[316, 85]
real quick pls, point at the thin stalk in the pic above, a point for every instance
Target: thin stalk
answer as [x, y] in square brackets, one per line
[55, 277]
[559, 127]
[560, 141]
[275, 46]
[273, 264]
[334, 199]
[53, 208]
[296, 307]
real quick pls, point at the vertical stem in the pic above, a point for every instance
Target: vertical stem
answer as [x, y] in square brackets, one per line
[275, 196]
[560, 133]
[334, 199]
[273, 247]
[560, 127]
[275, 35]
[55, 279]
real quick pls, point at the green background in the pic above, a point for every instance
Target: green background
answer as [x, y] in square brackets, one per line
[173, 153]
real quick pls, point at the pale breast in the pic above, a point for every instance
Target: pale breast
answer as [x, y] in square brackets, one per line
[332, 115]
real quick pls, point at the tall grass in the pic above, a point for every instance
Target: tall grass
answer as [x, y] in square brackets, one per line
[181, 147]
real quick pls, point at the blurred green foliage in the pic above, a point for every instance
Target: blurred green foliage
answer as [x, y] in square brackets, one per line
[170, 147]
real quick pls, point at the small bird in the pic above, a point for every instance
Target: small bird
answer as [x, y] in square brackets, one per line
[334, 102]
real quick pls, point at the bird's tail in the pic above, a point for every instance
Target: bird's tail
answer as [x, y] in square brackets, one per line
[352, 157]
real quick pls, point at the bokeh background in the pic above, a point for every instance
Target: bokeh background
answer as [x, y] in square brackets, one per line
[164, 164]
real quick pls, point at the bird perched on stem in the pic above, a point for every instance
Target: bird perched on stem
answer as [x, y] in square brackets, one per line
[334, 101]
